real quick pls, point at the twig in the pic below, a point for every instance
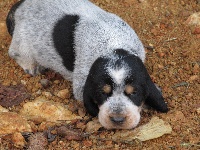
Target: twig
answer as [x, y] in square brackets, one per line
[181, 84]
[172, 39]
[190, 144]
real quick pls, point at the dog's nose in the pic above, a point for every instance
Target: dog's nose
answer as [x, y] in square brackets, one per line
[118, 120]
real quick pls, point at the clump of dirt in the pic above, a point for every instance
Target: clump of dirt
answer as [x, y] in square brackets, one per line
[172, 59]
[13, 95]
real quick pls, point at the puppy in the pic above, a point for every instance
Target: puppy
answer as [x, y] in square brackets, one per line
[96, 50]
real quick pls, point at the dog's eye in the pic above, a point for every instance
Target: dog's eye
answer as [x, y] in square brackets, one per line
[107, 89]
[130, 90]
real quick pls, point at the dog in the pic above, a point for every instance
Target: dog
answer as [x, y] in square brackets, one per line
[96, 50]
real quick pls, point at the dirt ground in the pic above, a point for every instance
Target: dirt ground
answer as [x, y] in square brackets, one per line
[173, 59]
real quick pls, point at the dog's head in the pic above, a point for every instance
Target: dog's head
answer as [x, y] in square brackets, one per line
[116, 88]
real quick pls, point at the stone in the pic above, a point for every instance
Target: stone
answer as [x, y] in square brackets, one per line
[64, 94]
[93, 126]
[41, 110]
[12, 122]
[18, 140]
[153, 129]
[37, 141]
[2, 109]
[194, 19]
[45, 83]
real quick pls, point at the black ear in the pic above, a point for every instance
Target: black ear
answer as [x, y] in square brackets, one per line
[155, 98]
[89, 103]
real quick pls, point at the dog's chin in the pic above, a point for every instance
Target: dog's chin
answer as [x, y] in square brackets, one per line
[132, 118]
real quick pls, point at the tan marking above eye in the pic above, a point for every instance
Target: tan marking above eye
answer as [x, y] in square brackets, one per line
[107, 89]
[130, 89]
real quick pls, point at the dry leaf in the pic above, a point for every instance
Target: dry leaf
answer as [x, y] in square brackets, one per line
[69, 133]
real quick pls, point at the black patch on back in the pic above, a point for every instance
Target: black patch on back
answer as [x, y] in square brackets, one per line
[63, 37]
[10, 20]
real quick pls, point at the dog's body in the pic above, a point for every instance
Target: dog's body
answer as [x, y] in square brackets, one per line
[90, 47]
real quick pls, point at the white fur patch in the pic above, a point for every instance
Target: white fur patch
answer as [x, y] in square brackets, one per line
[118, 75]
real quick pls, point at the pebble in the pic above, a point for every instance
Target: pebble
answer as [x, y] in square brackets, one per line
[45, 83]
[18, 140]
[93, 126]
[81, 112]
[37, 141]
[160, 66]
[194, 19]
[56, 82]
[23, 82]
[2, 109]
[198, 111]
[3, 28]
[47, 94]
[64, 94]
[196, 30]
[193, 78]
[161, 54]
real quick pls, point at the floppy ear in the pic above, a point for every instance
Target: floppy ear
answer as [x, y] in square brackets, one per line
[155, 98]
[90, 105]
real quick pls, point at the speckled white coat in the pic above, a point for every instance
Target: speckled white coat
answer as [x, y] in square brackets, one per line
[98, 33]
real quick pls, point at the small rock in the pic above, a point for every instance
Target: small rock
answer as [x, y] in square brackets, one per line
[196, 30]
[87, 143]
[154, 129]
[176, 116]
[43, 110]
[93, 126]
[37, 141]
[2, 109]
[12, 122]
[82, 112]
[198, 111]
[45, 83]
[56, 82]
[64, 94]
[161, 54]
[160, 66]
[194, 19]
[18, 140]
[23, 82]
[3, 28]
[193, 78]
[45, 125]
[47, 94]
[196, 68]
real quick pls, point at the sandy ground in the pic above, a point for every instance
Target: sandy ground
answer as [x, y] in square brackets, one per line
[173, 59]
